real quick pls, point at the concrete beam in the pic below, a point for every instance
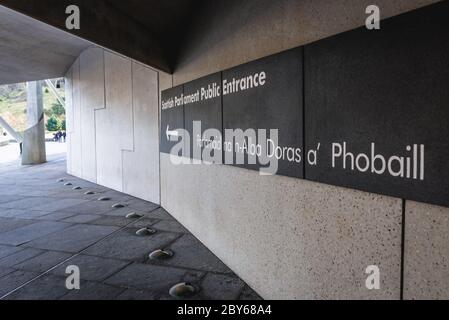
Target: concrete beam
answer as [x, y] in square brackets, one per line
[53, 90]
[100, 24]
[31, 50]
[13, 133]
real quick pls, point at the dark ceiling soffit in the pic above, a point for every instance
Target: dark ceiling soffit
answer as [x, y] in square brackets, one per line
[101, 25]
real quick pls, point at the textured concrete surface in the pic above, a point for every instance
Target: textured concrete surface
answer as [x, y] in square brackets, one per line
[136, 29]
[289, 238]
[31, 50]
[426, 256]
[40, 237]
[73, 114]
[142, 180]
[112, 121]
[34, 135]
[257, 28]
[69, 114]
[92, 98]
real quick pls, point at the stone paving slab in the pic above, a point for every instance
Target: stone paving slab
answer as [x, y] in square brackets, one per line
[14, 280]
[19, 257]
[94, 291]
[42, 203]
[30, 192]
[143, 223]
[30, 232]
[73, 239]
[122, 212]
[81, 218]
[138, 295]
[92, 268]
[74, 194]
[160, 214]
[111, 221]
[191, 253]
[249, 294]
[91, 207]
[22, 213]
[59, 204]
[42, 262]
[125, 245]
[221, 287]
[170, 225]
[8, 250]
[5, 271]
[46, 226]
[137, 204]
[56, 216]
[47, 287]
[9, 198]
[24, 203]
[148, 277]
[7, 224]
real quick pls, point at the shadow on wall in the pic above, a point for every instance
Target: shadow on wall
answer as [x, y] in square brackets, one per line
[257, 28]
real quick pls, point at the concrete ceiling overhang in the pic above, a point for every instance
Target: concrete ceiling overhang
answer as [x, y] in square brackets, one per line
[32, 50]
[149, 31]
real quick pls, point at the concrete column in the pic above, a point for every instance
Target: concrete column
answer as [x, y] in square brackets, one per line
[34, 137]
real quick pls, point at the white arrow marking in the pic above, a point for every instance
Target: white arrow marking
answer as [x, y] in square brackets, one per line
[169, 133]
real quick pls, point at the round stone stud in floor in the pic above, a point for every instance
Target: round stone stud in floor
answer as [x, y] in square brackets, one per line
[89, 193]
[182, 291]
[161, 255]
[104, 199]
[77, 188]
[145, 232]
[118, 206]
[68, 184]
[134, 215]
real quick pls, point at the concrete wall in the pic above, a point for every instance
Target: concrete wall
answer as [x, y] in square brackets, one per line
[426, 258]
[290, 238]
[112, 123]
[287, 238]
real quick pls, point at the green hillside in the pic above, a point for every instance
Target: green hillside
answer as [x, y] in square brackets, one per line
[13, 105]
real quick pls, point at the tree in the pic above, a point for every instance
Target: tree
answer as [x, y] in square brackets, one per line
[57, 109]
[52, 124]
[63, 125]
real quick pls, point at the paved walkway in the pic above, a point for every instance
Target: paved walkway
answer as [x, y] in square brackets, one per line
[10, 154]
[46, 226]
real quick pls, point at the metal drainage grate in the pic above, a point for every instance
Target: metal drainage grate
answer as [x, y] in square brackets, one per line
[145, 232]
[182, 290]
[134, 215]
[161, 255]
